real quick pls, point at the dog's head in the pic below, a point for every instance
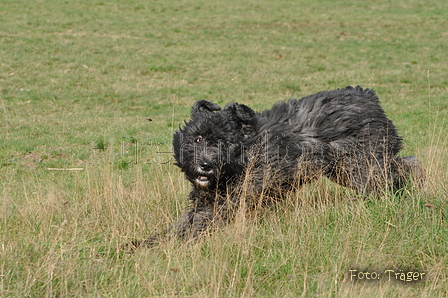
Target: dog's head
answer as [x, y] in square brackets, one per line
[210, 148]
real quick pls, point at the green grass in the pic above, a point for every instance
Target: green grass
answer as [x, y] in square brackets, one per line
[78, 80]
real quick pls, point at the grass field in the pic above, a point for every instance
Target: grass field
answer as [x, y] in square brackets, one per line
[78, 80]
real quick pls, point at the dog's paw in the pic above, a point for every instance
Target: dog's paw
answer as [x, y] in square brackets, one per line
[132, 246]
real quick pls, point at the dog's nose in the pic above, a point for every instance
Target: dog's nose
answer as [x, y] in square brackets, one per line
[205, 165]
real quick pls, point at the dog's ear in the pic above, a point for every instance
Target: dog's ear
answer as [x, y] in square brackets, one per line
[240, 112]
[202, 106]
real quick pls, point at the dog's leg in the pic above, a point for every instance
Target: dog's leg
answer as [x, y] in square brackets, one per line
[408, 170]
[194, 222]
[190, 225]
[361, 172]
[133, 245]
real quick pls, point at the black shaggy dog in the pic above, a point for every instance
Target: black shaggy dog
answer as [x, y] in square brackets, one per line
[238, 158]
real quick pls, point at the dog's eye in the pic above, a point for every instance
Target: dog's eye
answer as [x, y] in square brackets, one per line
[198, 139]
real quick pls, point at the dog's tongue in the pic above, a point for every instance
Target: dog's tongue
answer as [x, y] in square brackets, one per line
[202, 178]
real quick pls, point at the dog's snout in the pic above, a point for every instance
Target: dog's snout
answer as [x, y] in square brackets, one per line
[205, 165]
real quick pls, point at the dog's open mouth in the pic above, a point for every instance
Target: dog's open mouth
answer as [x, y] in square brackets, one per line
[203, 177]
[202, 180]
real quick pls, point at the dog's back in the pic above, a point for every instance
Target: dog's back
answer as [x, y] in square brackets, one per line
[334, 116]
[344, 133]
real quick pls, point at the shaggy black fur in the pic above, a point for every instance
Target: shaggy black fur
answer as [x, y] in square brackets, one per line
[237, 157]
